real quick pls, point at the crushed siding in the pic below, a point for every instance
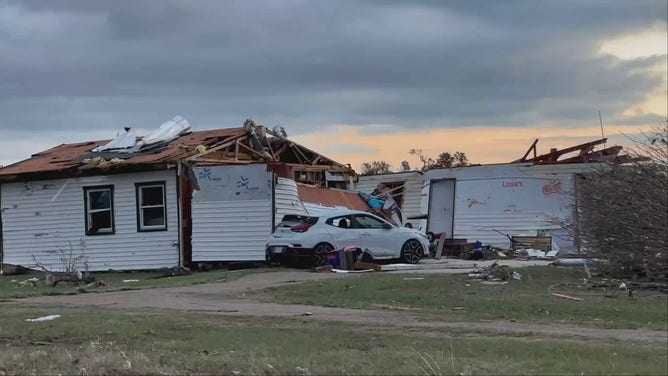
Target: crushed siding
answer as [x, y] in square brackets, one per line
[43, 218]
[286, 199]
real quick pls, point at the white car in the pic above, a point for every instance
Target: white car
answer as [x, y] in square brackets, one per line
[315, 235]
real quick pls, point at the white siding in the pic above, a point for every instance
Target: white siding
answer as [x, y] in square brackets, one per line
[514, 199]
[286, 199]
[412, 198]
[41, 219]
[231, 221]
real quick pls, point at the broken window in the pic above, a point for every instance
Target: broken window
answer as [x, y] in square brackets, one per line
[151, 208]
[99, 206]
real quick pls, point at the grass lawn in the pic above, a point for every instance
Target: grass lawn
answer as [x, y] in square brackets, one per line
[114, 282]
[455, 297]
[88, 341]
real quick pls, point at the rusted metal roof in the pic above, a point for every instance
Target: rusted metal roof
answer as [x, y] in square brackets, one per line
[68, 156]
[331, 197]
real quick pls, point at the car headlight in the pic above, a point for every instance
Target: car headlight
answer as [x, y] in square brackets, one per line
[423, 235]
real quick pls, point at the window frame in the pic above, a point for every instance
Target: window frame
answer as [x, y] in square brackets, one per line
[88, 212]
[140, 213]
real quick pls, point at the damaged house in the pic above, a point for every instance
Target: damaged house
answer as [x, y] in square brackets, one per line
[528, 198]
[173, 197]
[531, 197]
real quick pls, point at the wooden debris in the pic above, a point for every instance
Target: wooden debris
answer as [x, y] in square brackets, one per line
[366, 265]
[387, 306]
[439, 246]
[568, 297]
[457, 308]
[323, 268]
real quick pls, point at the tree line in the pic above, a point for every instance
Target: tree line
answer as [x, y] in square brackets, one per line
[443, 160]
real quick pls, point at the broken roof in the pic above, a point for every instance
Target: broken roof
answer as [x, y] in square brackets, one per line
[69, 156]
[248, 144]
[585, 153]
[331, 197]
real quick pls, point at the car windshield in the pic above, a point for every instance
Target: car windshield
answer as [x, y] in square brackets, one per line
[292, 220]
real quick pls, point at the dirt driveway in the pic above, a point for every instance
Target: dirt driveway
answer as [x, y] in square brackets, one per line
[222, 299]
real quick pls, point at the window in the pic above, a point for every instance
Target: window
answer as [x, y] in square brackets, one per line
[340, 222]
[365, 221]
[99, 207]
[151, 208]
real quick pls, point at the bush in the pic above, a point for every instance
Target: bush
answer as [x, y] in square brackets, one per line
[623, 211]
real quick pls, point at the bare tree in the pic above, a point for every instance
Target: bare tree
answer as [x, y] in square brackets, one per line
[622, 211]
[376, 168]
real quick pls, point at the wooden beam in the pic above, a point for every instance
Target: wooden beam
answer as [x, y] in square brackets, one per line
[281, 150]
[554, 156]
[299, 152]
[221, 161]
[532, 147]
[248, 148]
[227, 143]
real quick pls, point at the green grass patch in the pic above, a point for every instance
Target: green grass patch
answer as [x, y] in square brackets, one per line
[89, 341]
[435, 296]
[114, 281]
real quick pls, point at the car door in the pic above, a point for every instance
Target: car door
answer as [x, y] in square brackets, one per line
[374, 235]
[343, 236]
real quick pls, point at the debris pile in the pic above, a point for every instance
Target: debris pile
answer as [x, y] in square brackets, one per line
[495, 272]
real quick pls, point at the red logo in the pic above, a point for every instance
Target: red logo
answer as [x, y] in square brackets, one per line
[553, 187]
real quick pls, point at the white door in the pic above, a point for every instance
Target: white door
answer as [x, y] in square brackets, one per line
[374, 236]
[342, 234]
[442, 206]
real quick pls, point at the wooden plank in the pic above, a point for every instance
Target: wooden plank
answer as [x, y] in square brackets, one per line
[227, 143]
[439, 246]
[567, 297]
[366, 265]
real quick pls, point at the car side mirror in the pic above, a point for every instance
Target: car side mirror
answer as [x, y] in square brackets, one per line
[387, 226]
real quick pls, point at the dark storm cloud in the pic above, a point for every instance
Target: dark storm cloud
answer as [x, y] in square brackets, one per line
[90, 67]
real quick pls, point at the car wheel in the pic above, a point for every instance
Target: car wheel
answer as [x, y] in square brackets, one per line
[412, 252]
[320, 253]
[271, 259]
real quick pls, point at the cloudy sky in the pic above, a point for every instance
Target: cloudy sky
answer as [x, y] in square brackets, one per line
[356, 80]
